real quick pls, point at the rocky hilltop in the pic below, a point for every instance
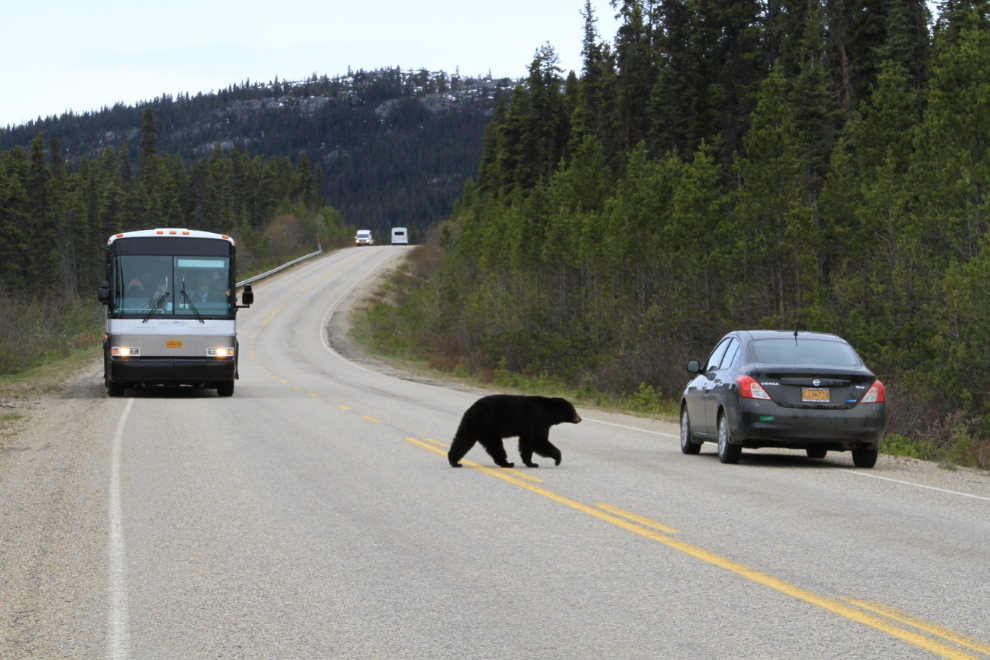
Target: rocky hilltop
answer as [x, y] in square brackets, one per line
[390, 146]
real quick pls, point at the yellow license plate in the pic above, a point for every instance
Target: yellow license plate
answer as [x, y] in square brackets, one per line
[819, 396]
[173, 343]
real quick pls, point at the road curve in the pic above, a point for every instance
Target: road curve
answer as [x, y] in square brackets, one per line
[314, 514]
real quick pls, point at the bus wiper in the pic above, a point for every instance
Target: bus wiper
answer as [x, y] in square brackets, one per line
[191, 305]
[155, 308]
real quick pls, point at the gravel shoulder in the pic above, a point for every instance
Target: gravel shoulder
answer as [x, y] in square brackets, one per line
[53, 521]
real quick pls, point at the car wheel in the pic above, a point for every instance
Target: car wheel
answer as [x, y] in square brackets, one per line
[727, 452]
[115, 389]
[816, 453]
[688, 445]
[865, 458]
[225, 388]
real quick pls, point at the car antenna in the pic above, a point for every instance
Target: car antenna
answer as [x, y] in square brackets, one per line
[795, 335]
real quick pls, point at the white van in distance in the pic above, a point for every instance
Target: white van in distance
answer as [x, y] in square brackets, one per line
[363, 237]
[400, 236]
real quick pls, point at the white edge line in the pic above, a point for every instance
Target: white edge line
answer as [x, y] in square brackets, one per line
[119, 629]
[323, 323]
[631, 428]
[909, 483]
[861, 474]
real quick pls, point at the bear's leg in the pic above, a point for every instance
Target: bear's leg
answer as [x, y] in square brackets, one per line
[493, 445]
[458, 448]
[543, 447]
[526, 451]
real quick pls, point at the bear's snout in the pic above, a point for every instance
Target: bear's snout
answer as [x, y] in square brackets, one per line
[577, 418]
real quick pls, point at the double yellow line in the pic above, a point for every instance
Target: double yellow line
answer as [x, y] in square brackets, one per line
[870, 617]
[298, 293]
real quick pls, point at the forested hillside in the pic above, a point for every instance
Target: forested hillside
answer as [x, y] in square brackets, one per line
[395, 147]
[803, 164]
[55, 219]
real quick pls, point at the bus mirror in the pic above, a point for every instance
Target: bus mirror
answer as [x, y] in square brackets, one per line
[247, 298]
[104, 293]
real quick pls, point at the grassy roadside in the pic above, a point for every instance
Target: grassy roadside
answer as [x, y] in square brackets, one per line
[19, 392]
[367, 334]
[378, 329]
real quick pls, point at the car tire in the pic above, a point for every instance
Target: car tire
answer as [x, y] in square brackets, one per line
[115, 389]
[816, 453]
[688, 445]
[865, 458]
[225, 388]
[727, 452]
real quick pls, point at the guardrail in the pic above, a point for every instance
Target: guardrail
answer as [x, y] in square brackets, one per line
[275, 270]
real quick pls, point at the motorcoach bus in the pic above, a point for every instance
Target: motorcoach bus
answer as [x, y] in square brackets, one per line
[171, 310]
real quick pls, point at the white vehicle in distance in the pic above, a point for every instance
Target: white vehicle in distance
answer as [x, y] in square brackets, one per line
[400, 236]
[363, 237]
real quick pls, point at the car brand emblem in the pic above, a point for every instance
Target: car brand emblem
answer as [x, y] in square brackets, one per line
[816, 382]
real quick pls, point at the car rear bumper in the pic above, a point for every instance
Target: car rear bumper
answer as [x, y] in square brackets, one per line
[170, 371]
[766, 424]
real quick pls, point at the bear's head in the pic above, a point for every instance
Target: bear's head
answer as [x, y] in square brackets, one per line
[562, 411]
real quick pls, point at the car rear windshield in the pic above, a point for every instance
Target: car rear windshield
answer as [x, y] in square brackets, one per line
[804, 351]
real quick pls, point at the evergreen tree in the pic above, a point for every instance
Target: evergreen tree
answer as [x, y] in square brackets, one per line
[148, 147]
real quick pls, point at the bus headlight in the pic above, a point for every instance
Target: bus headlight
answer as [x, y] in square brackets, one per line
[125, 351]
[220, 352]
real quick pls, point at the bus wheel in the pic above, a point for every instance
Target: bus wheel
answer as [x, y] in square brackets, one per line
[225, 388]
[115, 389]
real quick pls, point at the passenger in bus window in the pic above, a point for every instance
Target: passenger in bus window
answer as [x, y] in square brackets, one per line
[134, 289]
[203, 294]
[159, 292]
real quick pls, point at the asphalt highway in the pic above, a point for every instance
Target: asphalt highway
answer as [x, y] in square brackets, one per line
[314, 515]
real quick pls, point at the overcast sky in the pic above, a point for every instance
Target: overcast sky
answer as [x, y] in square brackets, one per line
[85, 55]
[64, 54]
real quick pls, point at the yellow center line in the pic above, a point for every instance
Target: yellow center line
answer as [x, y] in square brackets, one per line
[637, 518]
[272, 315]
[933, 628]
[370, 419]
[523, 475]
[312, 394]
[513, 471]
[834, 606]
[282, 381]
[342, 407]
[296, 387]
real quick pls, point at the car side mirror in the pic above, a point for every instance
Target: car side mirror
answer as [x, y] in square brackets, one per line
[247, 298]
[693, 367]
[103, 294]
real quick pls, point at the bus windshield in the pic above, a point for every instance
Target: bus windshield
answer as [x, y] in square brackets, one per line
[191, 286]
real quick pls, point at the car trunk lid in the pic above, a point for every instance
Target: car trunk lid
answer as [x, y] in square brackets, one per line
[816, 387]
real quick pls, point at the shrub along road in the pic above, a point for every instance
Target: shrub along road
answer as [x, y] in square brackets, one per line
[314, 515]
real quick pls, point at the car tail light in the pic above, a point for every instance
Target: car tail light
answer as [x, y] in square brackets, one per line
[875, 394]
[750, 389]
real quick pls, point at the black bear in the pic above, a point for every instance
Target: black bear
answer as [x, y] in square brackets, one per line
[492, 418]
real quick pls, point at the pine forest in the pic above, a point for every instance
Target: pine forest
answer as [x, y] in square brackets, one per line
[258, 161]
[733, 164]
